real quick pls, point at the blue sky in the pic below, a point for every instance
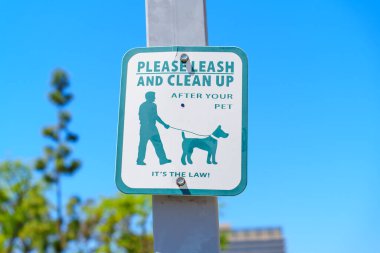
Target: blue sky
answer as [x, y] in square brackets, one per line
[314, 100]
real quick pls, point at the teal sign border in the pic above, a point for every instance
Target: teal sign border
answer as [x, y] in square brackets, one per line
[154, 191]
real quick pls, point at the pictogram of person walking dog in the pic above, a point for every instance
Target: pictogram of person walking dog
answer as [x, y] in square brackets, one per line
[148, 117]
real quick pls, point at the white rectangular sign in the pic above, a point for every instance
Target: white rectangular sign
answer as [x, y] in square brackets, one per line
[183, 121]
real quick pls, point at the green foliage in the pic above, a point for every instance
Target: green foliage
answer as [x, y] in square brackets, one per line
[60, 81]
[57, 159]
[109, 223]
[223, 239]
[25, 222]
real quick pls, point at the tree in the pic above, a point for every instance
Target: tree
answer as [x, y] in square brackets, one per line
[57, 159]
[29, 223]
[25, 222]
[115, 224]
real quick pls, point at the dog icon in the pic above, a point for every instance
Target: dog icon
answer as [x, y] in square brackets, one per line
[208, 144]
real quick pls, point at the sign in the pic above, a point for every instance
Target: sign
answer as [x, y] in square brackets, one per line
[183, 121]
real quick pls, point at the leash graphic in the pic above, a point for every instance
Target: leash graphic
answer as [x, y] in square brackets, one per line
[179, 129]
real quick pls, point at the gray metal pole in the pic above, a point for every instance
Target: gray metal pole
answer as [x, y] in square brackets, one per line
[181, 224]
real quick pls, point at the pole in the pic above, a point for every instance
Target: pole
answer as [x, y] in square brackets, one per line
[181, 224]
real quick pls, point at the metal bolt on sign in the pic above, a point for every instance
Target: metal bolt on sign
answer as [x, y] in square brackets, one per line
[181, 181]
[184, 58]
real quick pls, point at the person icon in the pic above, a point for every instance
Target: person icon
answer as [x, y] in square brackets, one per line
[148, 131]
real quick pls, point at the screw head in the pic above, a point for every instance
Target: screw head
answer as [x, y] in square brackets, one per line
[184, 58]
[181, 181]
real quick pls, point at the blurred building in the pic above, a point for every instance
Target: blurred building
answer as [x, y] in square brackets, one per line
[262, 240]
